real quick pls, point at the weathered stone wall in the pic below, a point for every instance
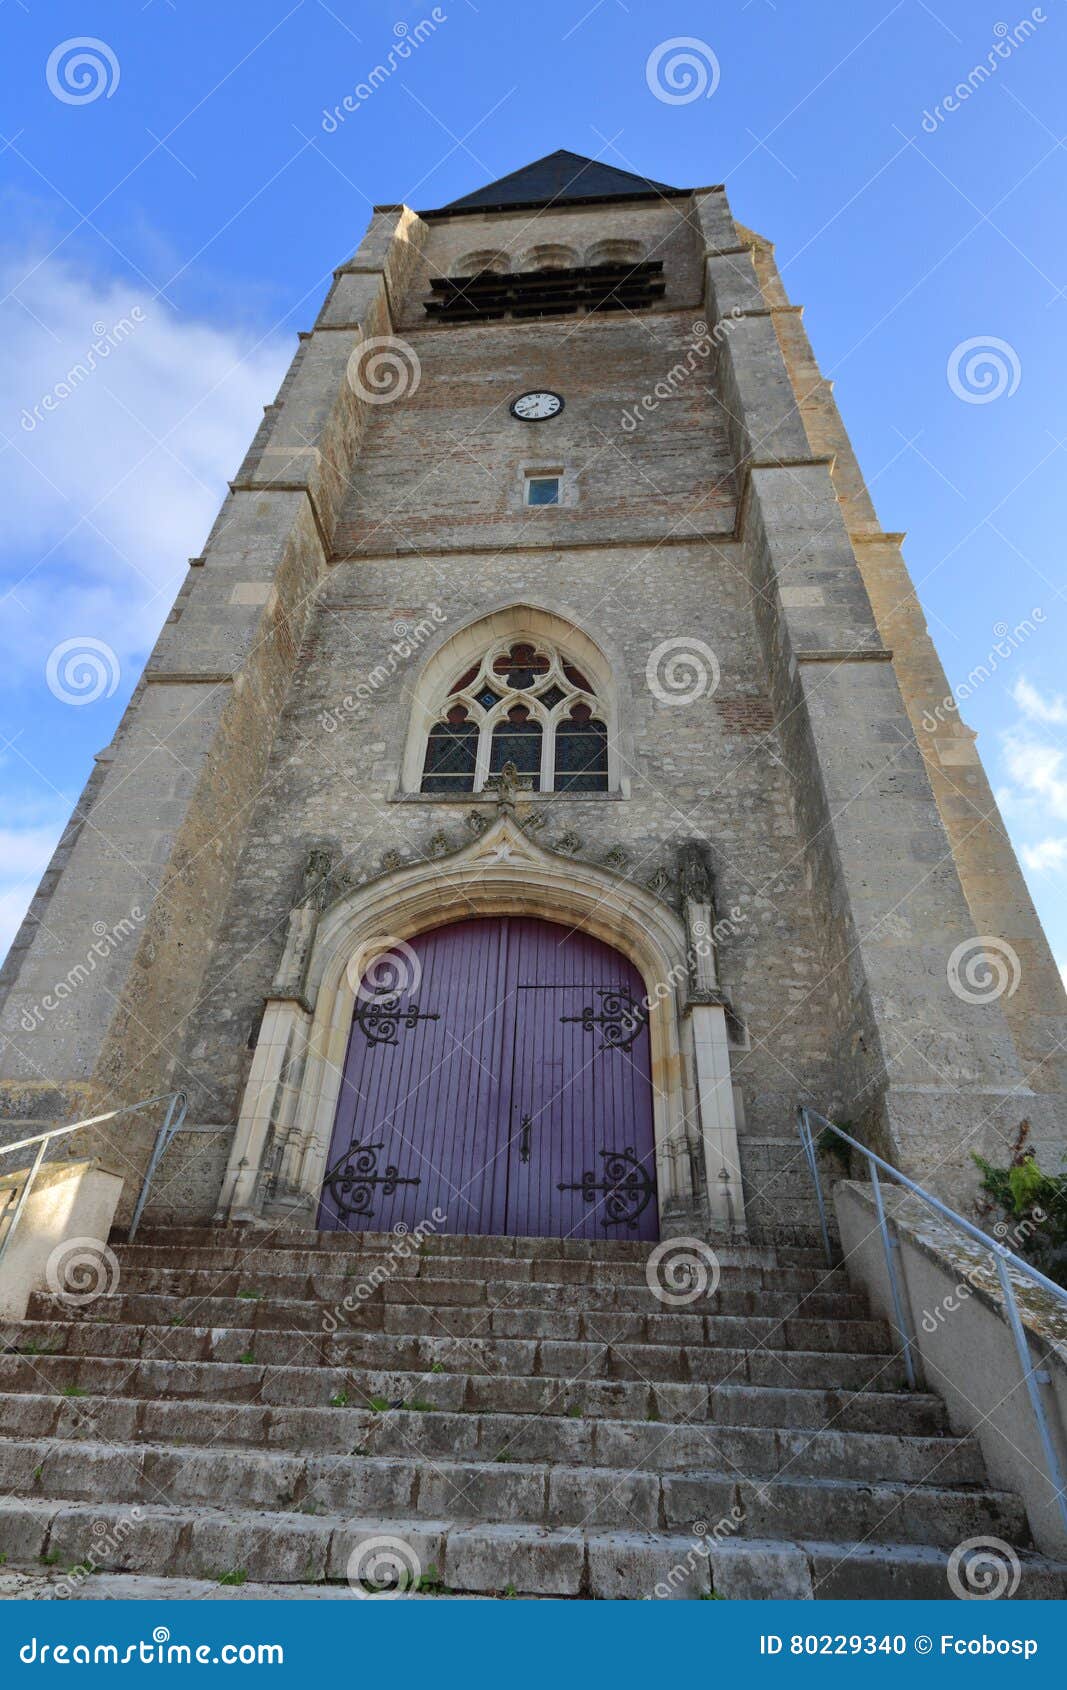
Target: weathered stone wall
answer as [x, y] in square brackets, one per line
[707, 769]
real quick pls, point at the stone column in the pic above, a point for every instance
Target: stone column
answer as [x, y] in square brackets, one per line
[929, 1075]
[162, 823]
[705, 1008]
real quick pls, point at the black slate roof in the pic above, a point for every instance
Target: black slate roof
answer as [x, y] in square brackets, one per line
[560, 178]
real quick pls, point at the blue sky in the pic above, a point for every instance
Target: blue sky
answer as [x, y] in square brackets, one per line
[189, 216]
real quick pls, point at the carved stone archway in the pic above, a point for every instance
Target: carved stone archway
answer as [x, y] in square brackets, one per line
[287, 1115]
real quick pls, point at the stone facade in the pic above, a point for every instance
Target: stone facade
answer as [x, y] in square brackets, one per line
[709, 498]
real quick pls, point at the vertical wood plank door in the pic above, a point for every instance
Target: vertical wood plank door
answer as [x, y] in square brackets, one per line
[504, 1081]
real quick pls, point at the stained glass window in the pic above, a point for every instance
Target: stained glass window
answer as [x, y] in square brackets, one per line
[523, 703]
[522, 666]
[581, 752]
[451, 753]
[517, 740]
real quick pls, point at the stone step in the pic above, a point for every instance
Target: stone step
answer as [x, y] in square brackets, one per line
[741, 1570]
[429, 1353]
[226, 1382]
[21, 1585]
[532, 1475]
[207, 1543]
[555, 1437]
[506, 1319]
[429, 1291]
[461, 1244]
[438, 1263]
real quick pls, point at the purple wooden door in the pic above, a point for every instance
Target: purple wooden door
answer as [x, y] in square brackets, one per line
[509, 1087]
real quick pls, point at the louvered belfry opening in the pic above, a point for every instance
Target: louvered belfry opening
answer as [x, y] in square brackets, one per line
[624, 286]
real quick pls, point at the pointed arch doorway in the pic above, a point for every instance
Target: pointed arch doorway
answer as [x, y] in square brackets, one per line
[498, 1070]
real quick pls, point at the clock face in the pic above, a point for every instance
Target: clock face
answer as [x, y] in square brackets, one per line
[536, 407]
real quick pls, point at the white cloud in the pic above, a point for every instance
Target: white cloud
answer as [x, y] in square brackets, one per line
[1036, 706]
[1037, 768]
[112, 475]
[24, 854]
[110, 478]
[1046, 854]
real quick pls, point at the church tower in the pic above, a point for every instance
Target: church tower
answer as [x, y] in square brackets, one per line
[542, 783]
[542, 786]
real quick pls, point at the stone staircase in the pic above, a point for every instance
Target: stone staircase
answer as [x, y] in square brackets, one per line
[248, 1414]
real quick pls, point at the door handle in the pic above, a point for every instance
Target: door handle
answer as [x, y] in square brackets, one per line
[524, 1138]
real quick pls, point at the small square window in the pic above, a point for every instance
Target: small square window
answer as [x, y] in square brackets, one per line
[542, 489]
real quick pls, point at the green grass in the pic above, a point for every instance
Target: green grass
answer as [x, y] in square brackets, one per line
[379, 1405]
[418, 1406]
[250, 1296]
[236, 1575]
[437, 1367]
[431, 1583]
[246, 1357]
[50, 1559]
[73, 1391]
[340, 1400]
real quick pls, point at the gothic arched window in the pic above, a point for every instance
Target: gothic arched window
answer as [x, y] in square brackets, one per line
[523, 703]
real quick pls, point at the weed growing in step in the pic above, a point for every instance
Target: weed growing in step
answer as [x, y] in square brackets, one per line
[431, 1583]
[73, 1391]
[340, 1400]
[236, 1575]
[246, 1357]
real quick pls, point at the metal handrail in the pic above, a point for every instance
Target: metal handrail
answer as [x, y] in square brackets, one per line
[1003, 1258]
[177, 1104]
